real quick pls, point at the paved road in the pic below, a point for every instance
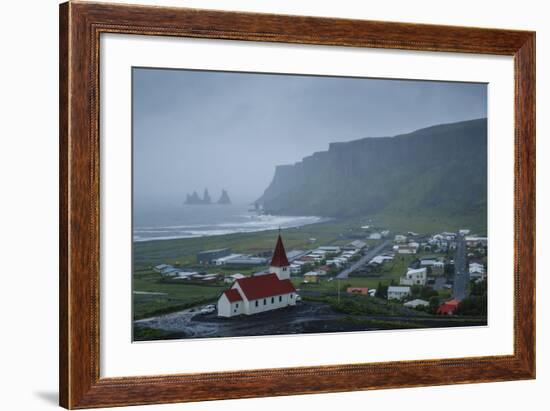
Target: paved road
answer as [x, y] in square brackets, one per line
[462, 275]
[365, 259]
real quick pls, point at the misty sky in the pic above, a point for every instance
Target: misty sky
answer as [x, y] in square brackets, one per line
[197, 129]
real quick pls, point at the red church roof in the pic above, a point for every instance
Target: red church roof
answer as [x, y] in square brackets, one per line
[232, 295]
[263, 286]
[279, 255]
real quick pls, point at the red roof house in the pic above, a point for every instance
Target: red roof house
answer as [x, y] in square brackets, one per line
[358, 290]
[448, 308]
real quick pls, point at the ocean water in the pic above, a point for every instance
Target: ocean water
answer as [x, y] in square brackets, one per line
[188, 221]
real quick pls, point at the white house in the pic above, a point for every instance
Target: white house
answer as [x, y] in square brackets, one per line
[416, 303]
[170, 271]
[400, 238]
[405, 249]
[380, 259]
[223, 260]
[159, 268]
[414, 277]
[375, 236]
[330, 248]
[477, 271]
[319, 252]
[358, 244]
[295, 268]
[252, 295]
[185, 275]
[428, 261]
[233, 277]
[398, 292]
[472, 241]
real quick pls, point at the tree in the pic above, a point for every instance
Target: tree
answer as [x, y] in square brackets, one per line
[381, 291]
[428, 293]
[416, 290]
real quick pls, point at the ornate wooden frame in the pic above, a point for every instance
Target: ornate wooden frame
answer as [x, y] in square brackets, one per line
[80, 27]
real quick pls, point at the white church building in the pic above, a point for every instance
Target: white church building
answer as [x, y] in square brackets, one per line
[252, 295]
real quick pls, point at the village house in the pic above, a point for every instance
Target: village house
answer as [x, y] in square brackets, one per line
[323, 270]
[414, 277]
[334, 262]
[477, 271]
[294, 254]
[311, 277]
[169, 271]
[330, 249]
[398, 292]
[437, 266]
[295, 268]
[160, 267]
[357, 290]
[184, 275]
[416, 303]
[206, 257]
[223, 260]
[230, 279]
[355, 245]
[475, 241]
[428, 261]
[375, 236]
[405, 249]
[400, 239]
[246, 260]
[448, 308]
[380, 259]
[252, 295]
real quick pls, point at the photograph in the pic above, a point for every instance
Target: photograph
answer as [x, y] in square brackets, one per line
[275, 204]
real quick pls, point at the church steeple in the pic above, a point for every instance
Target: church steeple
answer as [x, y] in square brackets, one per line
[279, 262]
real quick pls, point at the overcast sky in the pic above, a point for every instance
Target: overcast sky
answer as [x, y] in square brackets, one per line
[197, 129]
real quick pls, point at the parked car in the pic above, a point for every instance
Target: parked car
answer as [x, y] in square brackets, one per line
[208, 309]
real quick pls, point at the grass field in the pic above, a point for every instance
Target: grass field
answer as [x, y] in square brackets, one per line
[401, 222]
[166, 297]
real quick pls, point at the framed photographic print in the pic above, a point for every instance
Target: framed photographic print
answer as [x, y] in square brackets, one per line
[355, 198]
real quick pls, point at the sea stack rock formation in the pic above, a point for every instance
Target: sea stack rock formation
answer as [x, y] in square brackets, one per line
[224, 198]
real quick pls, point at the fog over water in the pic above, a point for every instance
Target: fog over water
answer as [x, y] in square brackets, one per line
[197, 129]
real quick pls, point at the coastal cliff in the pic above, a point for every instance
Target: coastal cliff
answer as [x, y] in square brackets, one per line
[440, 170]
